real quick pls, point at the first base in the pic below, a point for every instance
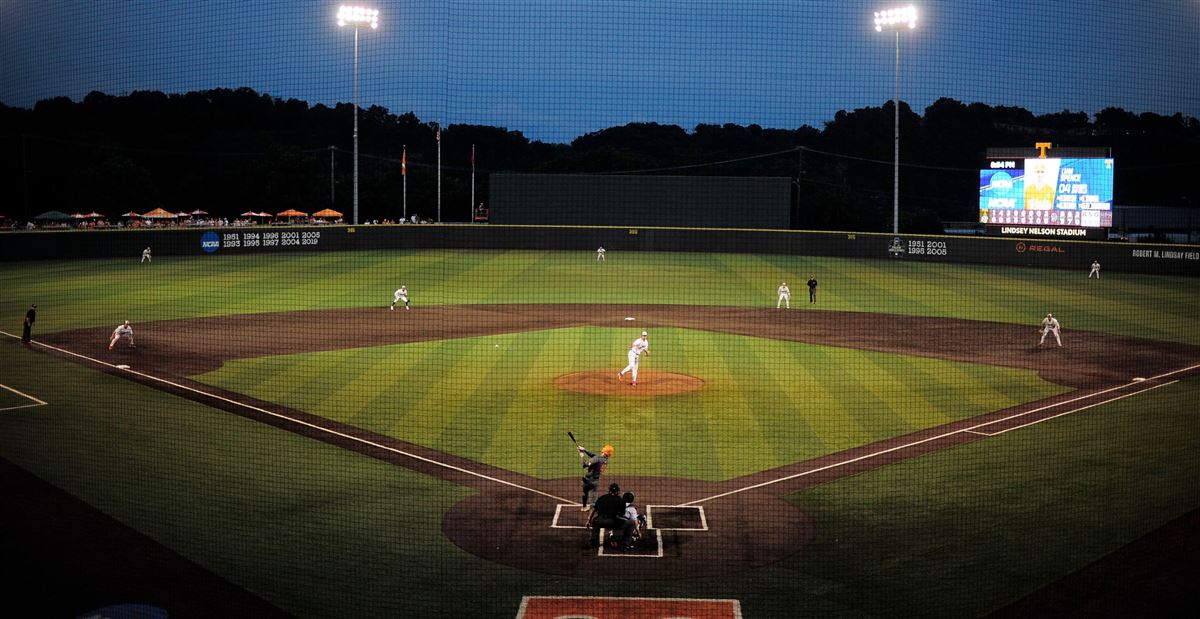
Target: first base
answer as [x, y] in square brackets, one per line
[122, 367]
[629, 318]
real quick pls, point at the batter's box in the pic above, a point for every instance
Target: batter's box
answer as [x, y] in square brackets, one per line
[676, 518]
[569, 516]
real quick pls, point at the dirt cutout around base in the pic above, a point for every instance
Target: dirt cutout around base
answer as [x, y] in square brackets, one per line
[605, 382]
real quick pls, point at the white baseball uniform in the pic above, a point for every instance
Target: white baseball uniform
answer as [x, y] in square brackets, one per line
[146, 255]
[785, 296]
[600, 254]
[401, 295]
[122, 331]
[1050, 325]
[1095, 270]
[639, 346]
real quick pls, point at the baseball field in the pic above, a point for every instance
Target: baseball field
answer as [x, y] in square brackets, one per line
[281, 442]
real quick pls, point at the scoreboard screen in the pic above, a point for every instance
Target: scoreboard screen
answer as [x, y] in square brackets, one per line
[1047, 192]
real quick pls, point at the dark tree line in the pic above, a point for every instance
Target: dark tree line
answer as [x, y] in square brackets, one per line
[227, 151]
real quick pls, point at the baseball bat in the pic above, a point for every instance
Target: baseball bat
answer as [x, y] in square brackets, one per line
[572, 438]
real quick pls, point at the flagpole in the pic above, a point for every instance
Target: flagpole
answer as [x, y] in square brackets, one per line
[404, 175]
[439, 173]
[471, 206]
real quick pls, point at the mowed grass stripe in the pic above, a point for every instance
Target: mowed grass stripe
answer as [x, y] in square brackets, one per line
[522, 421]
[825, 421]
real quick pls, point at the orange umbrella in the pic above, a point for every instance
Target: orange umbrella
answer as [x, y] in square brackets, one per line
[291, 213]
[159, 213]
[327, 213]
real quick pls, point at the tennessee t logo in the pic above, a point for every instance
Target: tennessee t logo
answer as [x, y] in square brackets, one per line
[1042, 148]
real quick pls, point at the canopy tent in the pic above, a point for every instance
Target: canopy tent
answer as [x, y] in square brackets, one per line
[78, 216]
[158, 213]
[93, 215]
[327, 213]
[253, 214]
[53, 216]
[198, 212]
[130, 214]
[291, 213]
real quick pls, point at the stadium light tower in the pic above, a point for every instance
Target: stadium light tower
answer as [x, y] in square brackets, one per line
[356, 17]
[894, 19]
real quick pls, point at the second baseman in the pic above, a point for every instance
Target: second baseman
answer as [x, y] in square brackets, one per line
[639, 346]
[401, 295]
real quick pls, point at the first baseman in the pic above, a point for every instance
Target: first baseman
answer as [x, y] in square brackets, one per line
[1050, 325]
[639, 346]
[400, 295]
[122, 331]
[785, 296]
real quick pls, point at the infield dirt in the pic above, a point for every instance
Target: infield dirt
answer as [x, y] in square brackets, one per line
[509, 520]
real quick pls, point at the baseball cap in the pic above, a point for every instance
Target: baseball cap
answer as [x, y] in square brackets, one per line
[644, 333]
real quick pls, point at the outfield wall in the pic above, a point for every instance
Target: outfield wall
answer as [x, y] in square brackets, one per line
[1064, 254]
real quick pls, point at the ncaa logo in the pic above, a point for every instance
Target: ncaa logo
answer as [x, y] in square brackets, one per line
[210, 242]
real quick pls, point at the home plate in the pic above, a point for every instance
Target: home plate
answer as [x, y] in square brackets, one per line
[122, 367]
[629, 318]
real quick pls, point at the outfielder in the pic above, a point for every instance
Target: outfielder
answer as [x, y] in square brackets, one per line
[600, 255]
[595, 465]
[639, 346]
[785, 296]
[401, 295]
[1095, 269]
[146, 255]
[1050, 325]
[122, 331]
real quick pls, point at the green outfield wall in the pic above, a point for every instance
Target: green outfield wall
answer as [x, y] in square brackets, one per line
[216, 242]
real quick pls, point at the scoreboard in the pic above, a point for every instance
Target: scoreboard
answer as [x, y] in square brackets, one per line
[1043, 192]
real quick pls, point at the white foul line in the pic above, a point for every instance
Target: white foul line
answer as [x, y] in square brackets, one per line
[23, 395]
[950, 433]
[301, 422]
[1076, 410]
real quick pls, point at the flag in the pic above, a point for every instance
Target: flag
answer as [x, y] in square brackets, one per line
[438, 136]
[404, 162]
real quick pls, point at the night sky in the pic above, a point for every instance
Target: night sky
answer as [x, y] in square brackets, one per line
[560, 68]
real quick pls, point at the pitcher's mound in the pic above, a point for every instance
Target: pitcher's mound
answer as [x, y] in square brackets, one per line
[604, 382]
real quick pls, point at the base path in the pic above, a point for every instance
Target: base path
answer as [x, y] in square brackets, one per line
[746, 522]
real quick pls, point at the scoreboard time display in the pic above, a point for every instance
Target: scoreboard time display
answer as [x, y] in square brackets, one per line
[1047, 192]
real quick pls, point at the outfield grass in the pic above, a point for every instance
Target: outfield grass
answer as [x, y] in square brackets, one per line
[101, 292]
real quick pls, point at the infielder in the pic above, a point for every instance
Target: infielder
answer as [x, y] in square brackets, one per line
[1050, 325]
[812, 289]
[122, 331]
[146, 255]
[785, 296]
[400, 295]
[600, 255]
[595, 465]
[1095, 269]
[640, 345]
